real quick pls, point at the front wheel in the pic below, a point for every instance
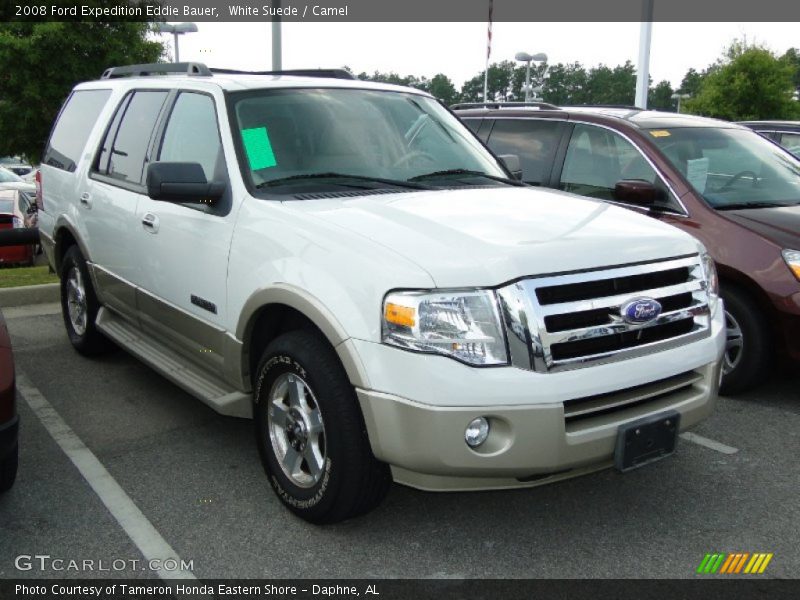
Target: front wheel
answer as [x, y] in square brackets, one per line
[747, 349]
[311, 434]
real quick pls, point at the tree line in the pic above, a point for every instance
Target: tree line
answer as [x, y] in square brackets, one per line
[747, 82]
[41, 62]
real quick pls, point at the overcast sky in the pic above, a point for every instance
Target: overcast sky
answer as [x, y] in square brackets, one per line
[459, 49]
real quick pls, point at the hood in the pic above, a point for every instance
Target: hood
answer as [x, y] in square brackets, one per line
[488, 236]
[780, 225]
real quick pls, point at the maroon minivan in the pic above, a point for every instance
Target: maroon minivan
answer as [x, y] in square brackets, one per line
[725, 184]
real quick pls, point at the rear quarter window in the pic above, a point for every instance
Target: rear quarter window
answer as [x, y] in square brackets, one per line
[73, 126]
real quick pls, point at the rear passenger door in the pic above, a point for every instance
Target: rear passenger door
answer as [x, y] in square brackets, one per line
[182, 248]
[109, 204]
[535, 141]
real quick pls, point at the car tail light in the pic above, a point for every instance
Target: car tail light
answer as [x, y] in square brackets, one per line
[39, 198]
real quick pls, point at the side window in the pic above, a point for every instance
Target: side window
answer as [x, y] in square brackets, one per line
[192, 134]
[473, 124]
[535, 141]
[791, 141]
[124, 148]
[598, 158]
[75, 123]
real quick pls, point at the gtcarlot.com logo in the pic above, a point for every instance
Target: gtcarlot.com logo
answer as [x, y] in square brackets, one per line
[736, 563]
[45, 562]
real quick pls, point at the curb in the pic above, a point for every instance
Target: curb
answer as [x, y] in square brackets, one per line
[30, 294]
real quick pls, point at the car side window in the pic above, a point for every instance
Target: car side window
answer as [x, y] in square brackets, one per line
[124, 149]
[598, 158]
[75, 123]
[791, 141]
[535, 141]
[192, 134]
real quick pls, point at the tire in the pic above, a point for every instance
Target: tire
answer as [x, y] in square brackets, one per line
[307, 418]
[77, 295]
[748, 350]
[8, 470]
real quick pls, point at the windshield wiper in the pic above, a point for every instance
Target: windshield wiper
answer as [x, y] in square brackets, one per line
[305, 176]
[742, 205]
[467, 172]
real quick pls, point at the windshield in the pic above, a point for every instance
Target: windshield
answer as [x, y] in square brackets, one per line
[313, 138]
[7, 176]
[732, 168]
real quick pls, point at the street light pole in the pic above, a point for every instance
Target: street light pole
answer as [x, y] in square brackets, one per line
[527, 59]
[277, 40]
[643, 70]
[176, 30]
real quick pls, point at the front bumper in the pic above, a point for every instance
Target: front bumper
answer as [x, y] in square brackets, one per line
[533, 438]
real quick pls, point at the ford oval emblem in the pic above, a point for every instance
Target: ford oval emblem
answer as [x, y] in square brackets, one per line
[641, 310]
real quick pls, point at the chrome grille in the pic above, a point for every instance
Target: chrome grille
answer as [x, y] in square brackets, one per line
[574, 320]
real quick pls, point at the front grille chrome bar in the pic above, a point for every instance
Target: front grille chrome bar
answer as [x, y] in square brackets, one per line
[531, 344]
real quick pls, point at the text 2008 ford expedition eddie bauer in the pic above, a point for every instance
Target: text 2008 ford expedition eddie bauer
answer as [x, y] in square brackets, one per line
[345, 263]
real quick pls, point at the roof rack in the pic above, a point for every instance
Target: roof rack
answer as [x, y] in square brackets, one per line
[186, 68]
[540, 105]
[620, 106]
[327, 73]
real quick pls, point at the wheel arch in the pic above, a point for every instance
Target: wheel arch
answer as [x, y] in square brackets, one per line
[270, 312]
[64, 237]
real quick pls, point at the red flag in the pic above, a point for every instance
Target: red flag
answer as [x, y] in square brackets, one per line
[489, 32]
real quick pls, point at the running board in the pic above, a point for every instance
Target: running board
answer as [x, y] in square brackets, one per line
[210, 389]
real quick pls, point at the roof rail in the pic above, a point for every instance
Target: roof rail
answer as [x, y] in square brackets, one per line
[620, 106]
[186, 68]
[327, 73]
[541, 105]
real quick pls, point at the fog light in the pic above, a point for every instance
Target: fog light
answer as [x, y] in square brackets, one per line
[477, 432]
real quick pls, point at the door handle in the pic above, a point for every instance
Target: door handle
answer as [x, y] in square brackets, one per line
[150, 222]
[86, 199]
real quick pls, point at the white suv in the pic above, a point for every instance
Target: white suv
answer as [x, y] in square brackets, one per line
[347, 264]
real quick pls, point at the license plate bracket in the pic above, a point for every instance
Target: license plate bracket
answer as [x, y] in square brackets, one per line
[646, 440]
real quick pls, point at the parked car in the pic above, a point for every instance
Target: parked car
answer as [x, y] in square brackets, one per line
[9, 421]
[344, 262]
[17, 211]
[785, 133]
[16, 165]
[721, 182]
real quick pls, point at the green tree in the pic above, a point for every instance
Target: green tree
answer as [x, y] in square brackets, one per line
[442, 88]
[691, 83]
[660, 97]
[749, 83]
[611, 86]
[501, 84]
[41, 62]
[565, 84]
[792, 58]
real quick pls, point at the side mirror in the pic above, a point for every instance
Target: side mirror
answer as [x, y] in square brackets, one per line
[181, 182]
[511, 162]
[636, 191]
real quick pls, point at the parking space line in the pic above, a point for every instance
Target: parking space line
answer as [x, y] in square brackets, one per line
[708, 443]
[139, 529]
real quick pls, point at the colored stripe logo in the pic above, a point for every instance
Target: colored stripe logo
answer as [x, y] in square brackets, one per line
[721, 563]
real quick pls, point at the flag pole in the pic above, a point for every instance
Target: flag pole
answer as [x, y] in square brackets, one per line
[488, 54]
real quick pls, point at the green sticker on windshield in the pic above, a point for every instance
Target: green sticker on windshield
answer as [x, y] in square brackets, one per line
[258, 148]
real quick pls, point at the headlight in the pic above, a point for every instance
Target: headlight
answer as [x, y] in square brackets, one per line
[712, 280]
[464, 325]
[792, 258]
[17, 223]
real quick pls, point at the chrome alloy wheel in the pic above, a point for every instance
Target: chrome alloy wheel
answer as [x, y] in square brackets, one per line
[77, 305]
[734, 344]
[296, 430]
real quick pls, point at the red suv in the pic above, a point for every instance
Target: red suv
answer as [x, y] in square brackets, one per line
[725, 184]
[8, 412]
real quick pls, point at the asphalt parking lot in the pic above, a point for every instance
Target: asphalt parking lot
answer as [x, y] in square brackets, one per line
[194, 478]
